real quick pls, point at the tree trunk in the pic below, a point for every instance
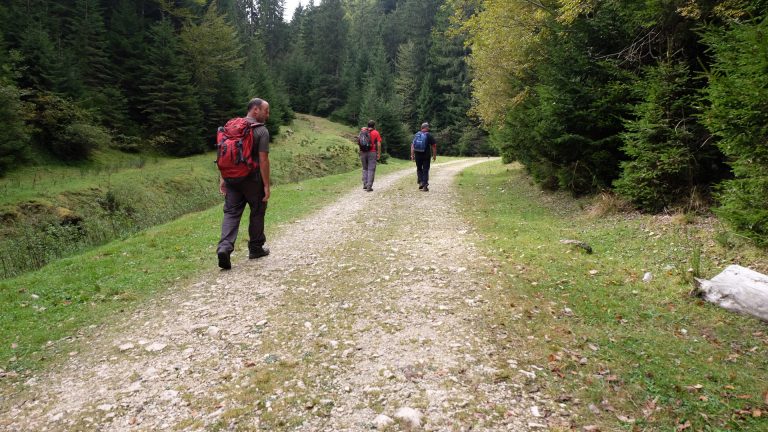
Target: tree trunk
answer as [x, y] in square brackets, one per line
[737, 289]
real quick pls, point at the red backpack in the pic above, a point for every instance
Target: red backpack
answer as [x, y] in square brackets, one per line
[235, 148]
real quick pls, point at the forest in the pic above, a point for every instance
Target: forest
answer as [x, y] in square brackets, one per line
[662, 102]
[162, 75]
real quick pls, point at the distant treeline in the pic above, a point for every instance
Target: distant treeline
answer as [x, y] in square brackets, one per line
[663, 101]
[131, 74]
[163, 74]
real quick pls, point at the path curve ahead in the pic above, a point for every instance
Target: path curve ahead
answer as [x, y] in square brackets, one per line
[368, 306]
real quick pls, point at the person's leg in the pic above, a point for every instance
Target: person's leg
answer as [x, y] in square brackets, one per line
[253, 189]
[419, 158]
[371, 168]
[425, 169]
[234, 204]
[364, 162]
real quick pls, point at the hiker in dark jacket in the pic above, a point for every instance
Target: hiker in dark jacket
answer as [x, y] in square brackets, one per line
[423, 147]
[252, 190]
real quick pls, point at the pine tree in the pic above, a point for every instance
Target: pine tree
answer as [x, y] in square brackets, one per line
[39, 61]
[380, 103]
[216, 61]
[126, 41]
[98, 85]
[87, 36]
[13, 112]
[323, 38]
[169, 100]
[405, 84]
[664, 142]
[738, 115]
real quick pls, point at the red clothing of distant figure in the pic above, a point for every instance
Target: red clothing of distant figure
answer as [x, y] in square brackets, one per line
[375, 139]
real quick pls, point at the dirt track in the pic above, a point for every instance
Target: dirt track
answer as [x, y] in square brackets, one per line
[366, 307]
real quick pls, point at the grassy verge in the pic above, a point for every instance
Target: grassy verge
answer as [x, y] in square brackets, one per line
[41, 308]
[53, 211]
[623, 353]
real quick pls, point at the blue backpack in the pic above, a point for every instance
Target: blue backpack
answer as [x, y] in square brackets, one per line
[420, 142]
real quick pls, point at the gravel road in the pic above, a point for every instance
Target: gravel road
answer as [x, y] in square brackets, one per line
[367, 314]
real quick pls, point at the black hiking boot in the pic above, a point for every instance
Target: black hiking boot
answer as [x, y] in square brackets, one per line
[369, 189]
[224, 261]
[421, 186]
[425, 189]
[258, 253]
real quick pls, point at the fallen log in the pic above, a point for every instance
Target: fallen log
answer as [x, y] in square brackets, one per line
[737, 289]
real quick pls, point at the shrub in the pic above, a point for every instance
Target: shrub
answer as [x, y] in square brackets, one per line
[126, 143]
[66, 130]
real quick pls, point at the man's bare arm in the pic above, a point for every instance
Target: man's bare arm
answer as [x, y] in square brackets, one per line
[264, 168]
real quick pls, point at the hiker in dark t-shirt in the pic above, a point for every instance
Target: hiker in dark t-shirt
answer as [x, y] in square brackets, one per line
[252, 190]
[422, 147]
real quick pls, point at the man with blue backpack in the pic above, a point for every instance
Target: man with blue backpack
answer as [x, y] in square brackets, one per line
[423, 147]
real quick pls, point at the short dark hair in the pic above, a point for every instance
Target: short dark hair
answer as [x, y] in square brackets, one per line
[255, 102]
[371, 123]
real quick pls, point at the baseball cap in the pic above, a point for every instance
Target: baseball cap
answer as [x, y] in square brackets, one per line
[425, 125]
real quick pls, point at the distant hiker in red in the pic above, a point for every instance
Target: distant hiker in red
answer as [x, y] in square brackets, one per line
[369, 141]
[422, 147]
[243, 160]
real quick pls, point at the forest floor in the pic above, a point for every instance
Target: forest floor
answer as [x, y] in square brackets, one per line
[366, 312]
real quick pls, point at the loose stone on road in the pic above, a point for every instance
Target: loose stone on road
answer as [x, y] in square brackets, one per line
[365, 316]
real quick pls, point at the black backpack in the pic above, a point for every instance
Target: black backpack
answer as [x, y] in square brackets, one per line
[364, 140]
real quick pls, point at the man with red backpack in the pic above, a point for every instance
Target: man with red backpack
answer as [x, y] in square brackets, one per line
[243, 160]
[369, 141]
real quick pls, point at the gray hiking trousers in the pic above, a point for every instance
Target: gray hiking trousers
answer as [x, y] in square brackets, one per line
[249, 190]
[369, 167]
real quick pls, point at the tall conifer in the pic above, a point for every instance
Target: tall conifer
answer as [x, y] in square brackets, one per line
[169, 100]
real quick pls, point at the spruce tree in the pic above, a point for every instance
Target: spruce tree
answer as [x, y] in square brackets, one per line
[87, 37]
[406, 83]
[14, 137]
[216, 61]
[39, 61]
[663, 141]
[738, 115]
[169, 100]
[126, 42]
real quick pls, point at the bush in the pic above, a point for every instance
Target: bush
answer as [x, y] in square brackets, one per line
[126, 143]
[66, 130]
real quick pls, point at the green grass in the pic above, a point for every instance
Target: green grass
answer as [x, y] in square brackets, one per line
[652, 352]
[70, 294]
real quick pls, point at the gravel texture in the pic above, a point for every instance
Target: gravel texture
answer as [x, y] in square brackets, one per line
[364, 316]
